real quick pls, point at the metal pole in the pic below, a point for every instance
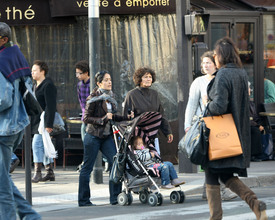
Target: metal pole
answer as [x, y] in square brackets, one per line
[28, 161]
[185, 78]
[94, 63]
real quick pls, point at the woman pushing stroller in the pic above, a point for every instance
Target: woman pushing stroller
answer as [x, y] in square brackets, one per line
[100, 109]
[150, 158]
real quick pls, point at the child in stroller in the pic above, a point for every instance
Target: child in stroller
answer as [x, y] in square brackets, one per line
[166, 170]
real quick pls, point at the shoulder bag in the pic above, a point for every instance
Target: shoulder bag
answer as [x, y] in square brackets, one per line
[195, 142]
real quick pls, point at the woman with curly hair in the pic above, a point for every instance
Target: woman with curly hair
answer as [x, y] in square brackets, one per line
[144, 99]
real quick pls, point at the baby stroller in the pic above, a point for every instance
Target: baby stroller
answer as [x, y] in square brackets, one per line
[135, 176]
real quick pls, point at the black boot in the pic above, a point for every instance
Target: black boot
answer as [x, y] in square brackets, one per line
[37, 176]
[50, 174]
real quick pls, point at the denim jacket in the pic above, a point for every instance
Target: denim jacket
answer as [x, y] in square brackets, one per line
[13, 116]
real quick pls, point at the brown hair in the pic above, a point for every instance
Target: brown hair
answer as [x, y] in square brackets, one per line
[140, 72]
[83, 65]
[227, 52]
[210, 55]
[42, 65]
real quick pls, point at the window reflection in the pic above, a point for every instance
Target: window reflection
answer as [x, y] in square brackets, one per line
[269, 58]
[219, 30]
[244, 41]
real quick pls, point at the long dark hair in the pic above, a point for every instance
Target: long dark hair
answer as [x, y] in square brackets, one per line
[100, 75]
[227, 52]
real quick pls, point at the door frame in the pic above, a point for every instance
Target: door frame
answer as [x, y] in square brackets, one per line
[245, 17]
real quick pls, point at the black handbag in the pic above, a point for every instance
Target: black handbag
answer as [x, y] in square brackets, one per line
[118, 168]
[58, 125]
[195, 142]
[32, 106]
[119, 164]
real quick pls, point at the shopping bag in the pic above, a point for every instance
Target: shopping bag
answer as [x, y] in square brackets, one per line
[195, 142]
[224, 140]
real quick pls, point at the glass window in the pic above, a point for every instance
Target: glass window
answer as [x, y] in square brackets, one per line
[219, 30]
[269, 58]
[245, 44]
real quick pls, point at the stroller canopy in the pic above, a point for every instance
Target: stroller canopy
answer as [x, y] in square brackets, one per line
[146, 126]
[147, 123]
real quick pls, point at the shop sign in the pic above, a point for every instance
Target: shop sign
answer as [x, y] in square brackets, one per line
[41, 12]
[61, 8]
[28, 12]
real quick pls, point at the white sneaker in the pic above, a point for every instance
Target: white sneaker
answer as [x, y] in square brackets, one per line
[177, 182]
[168, 186]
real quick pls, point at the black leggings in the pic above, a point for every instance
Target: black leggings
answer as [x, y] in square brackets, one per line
[213, 178]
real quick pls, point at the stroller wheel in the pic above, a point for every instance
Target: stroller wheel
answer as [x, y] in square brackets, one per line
[153, 199]
[175, 197]
[143, 196]
[182, 196]
[130, 198]
[122, 199]
[160, 199]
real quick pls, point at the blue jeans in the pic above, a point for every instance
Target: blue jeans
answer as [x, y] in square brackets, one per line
[167, 172]
[38, 150]
[92, 145]
[13, 157]
[10, 198]
[83, 131]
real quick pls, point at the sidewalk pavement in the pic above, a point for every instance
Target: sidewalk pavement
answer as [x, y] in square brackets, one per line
[62, 193]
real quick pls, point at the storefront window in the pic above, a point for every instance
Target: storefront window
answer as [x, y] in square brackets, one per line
[219, 30]
[269, 58]
[245, 44]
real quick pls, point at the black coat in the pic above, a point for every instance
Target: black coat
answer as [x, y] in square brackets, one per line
[46, 96]
[141, 100]
[228, 93]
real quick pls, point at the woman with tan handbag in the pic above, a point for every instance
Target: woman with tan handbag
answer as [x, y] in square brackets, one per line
[196, 104]
[228, 93]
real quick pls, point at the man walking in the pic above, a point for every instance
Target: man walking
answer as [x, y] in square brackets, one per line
[13, 120]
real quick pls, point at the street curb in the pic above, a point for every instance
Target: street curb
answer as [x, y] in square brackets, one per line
[251, 182]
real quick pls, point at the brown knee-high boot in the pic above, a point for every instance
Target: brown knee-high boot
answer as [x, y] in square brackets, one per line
[50, 174]
[214, 201]
[246, 194]
[37, 176]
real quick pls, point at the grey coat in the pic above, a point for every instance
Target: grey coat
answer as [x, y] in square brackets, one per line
[228, 93]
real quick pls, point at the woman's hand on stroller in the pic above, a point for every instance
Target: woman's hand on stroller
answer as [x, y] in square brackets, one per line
[130, 115]
[109, 116]
[152, 154]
